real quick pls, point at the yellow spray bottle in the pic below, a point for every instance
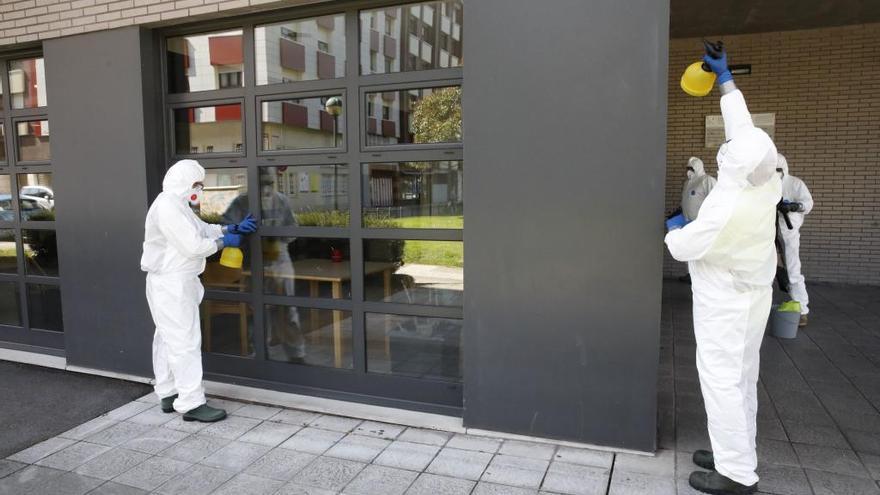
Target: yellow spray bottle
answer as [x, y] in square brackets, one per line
[698, 79]
[232, 257]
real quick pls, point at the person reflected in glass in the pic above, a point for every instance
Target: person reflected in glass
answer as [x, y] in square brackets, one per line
[285, 341]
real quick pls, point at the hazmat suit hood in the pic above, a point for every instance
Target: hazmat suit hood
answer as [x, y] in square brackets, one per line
[782, 163]
[697, 164]
[181, 176]
[749, 155]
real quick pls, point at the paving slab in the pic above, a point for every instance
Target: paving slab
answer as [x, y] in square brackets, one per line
[573, 479]
[155, 440]
[41, 450]
[829, 459]
[111, 464]
[456, 463]
[256, 411]
[313, 440]
[270, 433]
[194, 448]
[329, 473]
[428, 437]
[408, 455]
[236, 456]
[231, 428]
[118, 434]
[432, 484]
[335, 423]
[528, 449]
[516, 471]
[111, 488]
[476, 443]
[825, 483]
[280, 464]
[66, 484]
[358, 448]
[74, 456]
[783, 480]
[484, 488]
[196, 480]
[246, 484]
[152, 473]
[25, 480]
[381, 430]
[662, 464]
[626, 483]
[8, 467]
[584, 457]
[380, 479]
[295, 417]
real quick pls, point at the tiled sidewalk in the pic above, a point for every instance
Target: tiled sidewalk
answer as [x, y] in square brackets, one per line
[819, 432]
[264, 450]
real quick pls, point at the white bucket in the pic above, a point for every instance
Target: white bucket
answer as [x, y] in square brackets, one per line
[784, 324]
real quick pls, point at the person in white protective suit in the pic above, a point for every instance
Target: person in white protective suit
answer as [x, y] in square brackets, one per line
[731, 256]
[176, 243]
[697, 186]
[797, 202]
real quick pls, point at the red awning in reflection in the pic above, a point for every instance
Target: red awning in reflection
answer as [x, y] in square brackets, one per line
[226, 50]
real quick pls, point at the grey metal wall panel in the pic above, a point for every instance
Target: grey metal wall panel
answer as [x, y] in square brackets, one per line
[99, 158]
[565, 119]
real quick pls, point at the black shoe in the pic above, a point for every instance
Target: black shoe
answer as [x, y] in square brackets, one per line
[704, 459]
[205, 414]
[718, 484]
[168, 404]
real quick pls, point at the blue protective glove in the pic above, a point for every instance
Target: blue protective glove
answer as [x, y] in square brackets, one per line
[231, 240]
[719, 67]
[246, 226]
[676, 222]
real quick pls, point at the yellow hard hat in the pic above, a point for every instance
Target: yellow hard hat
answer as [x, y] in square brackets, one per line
[696, 81]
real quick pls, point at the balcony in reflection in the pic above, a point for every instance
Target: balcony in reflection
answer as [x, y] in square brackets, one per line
[414, 116]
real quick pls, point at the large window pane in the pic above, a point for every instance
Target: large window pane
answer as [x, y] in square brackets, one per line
[225, 201]
[10, 307]
[414, 272]
[36, 197]
[213, 129]
[8, 252]
[300, 50]
[308, 196]
[419, 36]
[27, 83]
[416, 346]
[44, 307]
[7, 208]
[414, 116]
[316, 337]
[414, 195]
[307, 267]
[33, 140]
[303, 123]
[207, 61]
[227, 327]
[40, 252]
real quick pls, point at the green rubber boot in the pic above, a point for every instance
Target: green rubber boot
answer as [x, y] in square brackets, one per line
[168, 404]
[704, 459]
[718, 484]
[205, 414]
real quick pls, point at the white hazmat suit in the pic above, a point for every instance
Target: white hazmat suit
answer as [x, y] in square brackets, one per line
[794, 190]
[696, 188]
[176, 243]
[731, 256]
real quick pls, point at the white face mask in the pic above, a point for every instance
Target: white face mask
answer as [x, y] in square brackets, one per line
[691, 174]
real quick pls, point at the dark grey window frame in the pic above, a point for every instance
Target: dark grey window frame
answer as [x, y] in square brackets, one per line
[24, 336]
[355, 384]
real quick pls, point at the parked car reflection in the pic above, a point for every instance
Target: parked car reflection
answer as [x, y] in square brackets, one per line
[32, 208]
